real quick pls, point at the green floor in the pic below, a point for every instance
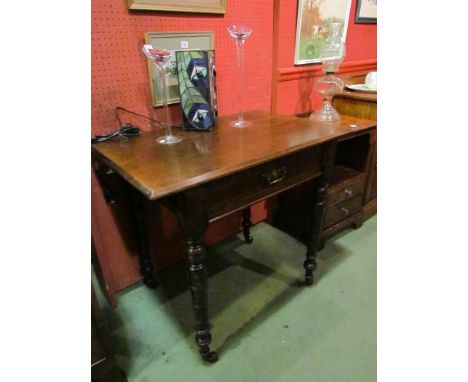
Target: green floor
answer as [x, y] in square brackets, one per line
[266, 326]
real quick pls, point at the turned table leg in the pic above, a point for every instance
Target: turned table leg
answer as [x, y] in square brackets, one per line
[198, 287]
[310, 263]
[191, 209]
[246, 224]
[318, 212]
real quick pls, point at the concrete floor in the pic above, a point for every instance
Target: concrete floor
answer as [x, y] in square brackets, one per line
[266, 326]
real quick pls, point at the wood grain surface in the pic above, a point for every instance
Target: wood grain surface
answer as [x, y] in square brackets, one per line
[158, 170]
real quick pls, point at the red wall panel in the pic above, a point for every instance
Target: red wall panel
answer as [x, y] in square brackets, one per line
[120, 78]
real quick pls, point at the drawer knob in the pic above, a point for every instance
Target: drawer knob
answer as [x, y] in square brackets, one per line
[345, 210]
[348, 192]
[275, 176]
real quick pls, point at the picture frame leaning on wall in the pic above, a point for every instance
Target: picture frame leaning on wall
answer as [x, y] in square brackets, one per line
[173, 41]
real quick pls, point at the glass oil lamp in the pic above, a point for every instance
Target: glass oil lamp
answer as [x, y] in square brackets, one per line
[331, 56]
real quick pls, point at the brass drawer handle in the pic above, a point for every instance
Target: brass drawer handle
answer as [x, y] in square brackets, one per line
[348, 192]
[345, 210]
[276, 176]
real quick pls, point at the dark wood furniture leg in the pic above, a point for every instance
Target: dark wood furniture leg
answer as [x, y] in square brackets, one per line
[194, 218]
[198, 287]
[146, 266]
[318, 213]
[246, 224]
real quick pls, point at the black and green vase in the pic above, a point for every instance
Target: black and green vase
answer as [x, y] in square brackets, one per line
[197, 85]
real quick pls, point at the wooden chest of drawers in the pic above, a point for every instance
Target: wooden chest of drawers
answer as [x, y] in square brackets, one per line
[344, 201]
[362, 105]
[347, 189]
[345, 195]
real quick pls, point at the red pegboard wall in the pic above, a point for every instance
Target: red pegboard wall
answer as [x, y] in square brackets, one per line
[120, 72]
[120, 78]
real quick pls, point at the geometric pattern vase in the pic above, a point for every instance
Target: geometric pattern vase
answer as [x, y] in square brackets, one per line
[197, 86]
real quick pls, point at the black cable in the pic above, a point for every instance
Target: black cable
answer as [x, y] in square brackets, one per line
[139, 115]
[132, 112]
[125, 131]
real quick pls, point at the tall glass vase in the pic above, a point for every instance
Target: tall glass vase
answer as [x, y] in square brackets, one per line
[160, 57]
[240, 33]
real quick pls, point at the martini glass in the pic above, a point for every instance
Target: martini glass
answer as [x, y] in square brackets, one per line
[240, 33]
[160, 57]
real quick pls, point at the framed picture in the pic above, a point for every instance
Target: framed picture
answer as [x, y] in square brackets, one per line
[313, 16]
[197, 6]
[366, 12]
[173, 41]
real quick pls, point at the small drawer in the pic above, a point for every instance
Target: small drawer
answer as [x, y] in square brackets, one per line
[340, 211]
[256, 183]
[337, 194]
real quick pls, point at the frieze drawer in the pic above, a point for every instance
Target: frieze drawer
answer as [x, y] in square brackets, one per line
[258, 182]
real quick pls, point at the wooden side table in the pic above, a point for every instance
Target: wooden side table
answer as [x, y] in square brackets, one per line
[210, 175]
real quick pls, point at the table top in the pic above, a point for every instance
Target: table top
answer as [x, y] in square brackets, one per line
[160, 170]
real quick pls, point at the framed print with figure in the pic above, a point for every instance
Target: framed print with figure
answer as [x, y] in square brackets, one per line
[313, 18]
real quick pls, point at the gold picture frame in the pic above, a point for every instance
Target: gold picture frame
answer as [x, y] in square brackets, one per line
[174, 41]
[196, 6]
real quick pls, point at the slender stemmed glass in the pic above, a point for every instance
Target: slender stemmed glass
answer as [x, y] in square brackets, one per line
[240, 33]
[160, 57]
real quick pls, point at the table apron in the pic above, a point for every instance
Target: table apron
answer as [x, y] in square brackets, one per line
[236, 191]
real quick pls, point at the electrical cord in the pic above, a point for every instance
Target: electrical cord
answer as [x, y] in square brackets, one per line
[118, 108]
[125, 131]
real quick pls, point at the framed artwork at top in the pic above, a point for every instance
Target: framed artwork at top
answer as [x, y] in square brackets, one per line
[313, 17]
[366, 12]
[195, 6]
[173, 41]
